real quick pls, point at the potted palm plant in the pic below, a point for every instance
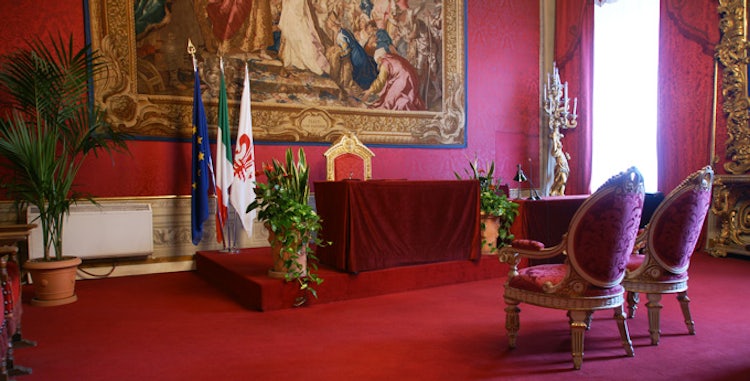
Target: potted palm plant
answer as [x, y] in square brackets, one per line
[46, 133]
[497, 212]
[282, 206]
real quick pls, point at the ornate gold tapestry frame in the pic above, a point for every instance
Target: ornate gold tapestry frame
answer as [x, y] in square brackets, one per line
[138, 101]
[729, 219]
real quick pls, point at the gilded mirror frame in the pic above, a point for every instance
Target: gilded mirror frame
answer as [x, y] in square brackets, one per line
[168, 116]
[732, 54]
[728, 228]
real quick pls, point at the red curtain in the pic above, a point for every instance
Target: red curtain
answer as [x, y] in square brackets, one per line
[689, 32]
[574, 54]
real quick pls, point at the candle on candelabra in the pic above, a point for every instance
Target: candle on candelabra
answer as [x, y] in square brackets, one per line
[575, 105]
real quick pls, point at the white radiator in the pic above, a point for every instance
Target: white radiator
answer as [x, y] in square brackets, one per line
[100, 231]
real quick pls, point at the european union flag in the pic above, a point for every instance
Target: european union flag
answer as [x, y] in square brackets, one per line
[201, 163]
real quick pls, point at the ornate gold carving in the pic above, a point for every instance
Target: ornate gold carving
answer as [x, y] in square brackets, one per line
[554, 301]
[348, 143]
[731, 52]
[140, 112]
[729, 220]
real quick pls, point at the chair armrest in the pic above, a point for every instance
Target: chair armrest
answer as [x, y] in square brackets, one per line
[524, 248]
[527, 245]
[640, 240]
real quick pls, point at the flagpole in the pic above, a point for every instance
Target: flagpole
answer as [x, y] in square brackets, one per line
[232, 228]
[191, 50]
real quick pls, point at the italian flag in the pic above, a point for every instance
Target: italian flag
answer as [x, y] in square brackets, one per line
[223, 160]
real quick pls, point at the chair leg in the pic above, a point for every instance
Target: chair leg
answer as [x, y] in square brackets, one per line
[17, 338]
[622, 325]
[577, 330]
[21, 342]
[633, 300]
[512, 322]
[11, 367]
[685, 305]
[654, 309]
[589, 318]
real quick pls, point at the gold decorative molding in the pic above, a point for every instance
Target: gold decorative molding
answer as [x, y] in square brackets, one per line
[731, 52]
[729, 219]
[140, 101]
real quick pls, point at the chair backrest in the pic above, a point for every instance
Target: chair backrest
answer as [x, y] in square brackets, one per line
[602, 232]
[348, 158]
[677, 223]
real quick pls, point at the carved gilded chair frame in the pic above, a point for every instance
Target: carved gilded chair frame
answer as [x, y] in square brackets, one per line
[348, 144]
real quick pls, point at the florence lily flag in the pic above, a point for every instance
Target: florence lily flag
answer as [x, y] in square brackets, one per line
[243, 185]
[201, 163]
[223, 160]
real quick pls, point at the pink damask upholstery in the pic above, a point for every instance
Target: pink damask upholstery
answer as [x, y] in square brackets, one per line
[599, 240]
[668, 242]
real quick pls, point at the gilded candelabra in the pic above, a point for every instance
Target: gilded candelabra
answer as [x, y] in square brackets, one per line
[556, 105]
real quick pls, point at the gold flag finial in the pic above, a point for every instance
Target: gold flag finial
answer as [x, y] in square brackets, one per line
[191, 51]
[190, 48]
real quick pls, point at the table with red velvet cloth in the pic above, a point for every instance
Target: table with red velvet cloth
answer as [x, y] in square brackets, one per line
[547, 219]
[379, 224]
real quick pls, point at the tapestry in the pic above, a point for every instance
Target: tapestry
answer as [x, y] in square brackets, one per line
[392, 72]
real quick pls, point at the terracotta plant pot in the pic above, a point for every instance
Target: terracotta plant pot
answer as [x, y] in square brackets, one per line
[280, 270]
[489, 233]
[54, 281]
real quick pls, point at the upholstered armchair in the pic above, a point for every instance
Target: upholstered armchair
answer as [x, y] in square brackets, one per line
[667, 243]
[10, 276]
[4, 345]
[599, 239]
[348, 158]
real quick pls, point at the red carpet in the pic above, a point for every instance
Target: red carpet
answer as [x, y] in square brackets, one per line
[244, 277]
[178, 327]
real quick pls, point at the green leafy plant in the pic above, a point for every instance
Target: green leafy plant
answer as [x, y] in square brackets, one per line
[493, 202]
[282, 204]
[50, 129]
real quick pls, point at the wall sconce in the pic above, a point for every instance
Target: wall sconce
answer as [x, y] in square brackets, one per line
[520, 177]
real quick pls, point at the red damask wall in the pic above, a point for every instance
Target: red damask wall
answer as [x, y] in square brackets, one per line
[502, 92]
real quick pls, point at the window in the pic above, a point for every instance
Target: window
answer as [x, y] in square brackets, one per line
[626, 56]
